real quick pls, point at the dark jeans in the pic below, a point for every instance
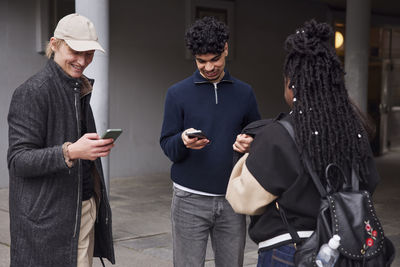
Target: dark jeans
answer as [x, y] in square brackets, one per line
[277, 257]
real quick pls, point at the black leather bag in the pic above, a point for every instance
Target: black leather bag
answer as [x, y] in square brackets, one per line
[350, 214]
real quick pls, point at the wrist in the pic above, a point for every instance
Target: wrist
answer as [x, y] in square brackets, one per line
[183, 138]
[71, 152]
[68, 156]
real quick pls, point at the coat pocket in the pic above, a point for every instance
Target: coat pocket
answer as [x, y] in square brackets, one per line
[34, 198]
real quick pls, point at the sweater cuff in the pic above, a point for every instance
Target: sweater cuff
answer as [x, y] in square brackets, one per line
[70, 163]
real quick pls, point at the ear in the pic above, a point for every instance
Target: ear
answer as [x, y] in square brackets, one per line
[288, 93]
[287, 86]
[52, 44]
[226, 49]
[287, 82]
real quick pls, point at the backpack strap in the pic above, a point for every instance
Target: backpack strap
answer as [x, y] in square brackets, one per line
[306, 160]
[293, 233]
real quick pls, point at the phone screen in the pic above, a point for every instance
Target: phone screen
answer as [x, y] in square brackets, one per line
[112, 133]
[199, 134]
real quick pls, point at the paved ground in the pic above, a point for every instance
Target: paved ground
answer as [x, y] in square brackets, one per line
[141, 218]
[142, 228]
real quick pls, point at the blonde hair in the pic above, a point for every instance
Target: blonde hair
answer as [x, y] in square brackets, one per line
[57, 43]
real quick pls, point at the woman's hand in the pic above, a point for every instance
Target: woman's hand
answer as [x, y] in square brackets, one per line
[243, 142]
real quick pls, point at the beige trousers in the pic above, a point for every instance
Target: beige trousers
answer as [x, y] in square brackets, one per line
[86, 235]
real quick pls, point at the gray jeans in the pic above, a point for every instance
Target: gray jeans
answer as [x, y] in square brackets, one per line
[195, 217]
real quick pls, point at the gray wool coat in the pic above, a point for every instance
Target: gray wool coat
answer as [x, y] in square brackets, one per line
[45, 194]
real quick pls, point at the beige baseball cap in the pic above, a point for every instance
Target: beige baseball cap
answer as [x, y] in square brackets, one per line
[78, 32]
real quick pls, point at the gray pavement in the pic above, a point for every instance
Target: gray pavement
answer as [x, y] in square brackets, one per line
[141, 218]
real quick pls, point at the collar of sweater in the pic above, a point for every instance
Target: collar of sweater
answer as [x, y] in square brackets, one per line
[197, 78]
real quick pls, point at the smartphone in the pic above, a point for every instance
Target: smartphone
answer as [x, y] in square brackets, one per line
[111, 133]
[198, 133]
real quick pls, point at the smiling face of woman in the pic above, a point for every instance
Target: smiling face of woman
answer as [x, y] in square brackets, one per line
[71, 61]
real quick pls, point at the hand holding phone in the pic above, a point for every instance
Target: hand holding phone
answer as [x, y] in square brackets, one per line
[112, 133]
[196, 133]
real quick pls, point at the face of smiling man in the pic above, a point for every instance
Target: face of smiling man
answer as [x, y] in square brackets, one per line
[71, 61]
[211, 66]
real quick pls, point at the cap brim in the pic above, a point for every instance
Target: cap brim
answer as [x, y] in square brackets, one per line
[84, 45]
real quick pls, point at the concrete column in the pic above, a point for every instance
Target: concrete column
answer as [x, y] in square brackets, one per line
[358, 15]
[97, 11]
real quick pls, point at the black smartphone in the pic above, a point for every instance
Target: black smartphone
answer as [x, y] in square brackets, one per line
[112, 133]
[198, 133]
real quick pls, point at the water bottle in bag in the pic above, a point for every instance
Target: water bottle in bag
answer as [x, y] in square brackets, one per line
[328, 253]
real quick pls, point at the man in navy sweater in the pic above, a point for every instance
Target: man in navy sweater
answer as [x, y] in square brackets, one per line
[219, 105]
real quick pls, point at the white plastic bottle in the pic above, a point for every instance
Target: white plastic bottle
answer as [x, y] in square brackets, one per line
[328, 253]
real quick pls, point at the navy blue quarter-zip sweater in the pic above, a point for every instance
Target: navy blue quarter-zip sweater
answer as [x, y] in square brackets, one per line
[221, 111]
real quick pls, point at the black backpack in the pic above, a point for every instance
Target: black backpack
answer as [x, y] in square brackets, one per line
[348, 213]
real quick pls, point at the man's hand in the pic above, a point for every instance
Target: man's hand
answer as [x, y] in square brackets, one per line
[193, 143]
[90, 147]
[243, 142]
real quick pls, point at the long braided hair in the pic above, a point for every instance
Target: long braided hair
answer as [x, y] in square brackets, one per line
[326, 124]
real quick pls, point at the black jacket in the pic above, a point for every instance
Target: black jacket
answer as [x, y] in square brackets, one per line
[45, 195]
[275, 162]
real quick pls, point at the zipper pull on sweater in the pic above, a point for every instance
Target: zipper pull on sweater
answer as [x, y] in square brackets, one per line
[216, 93]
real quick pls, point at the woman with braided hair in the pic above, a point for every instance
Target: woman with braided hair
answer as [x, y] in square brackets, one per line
[327, 128]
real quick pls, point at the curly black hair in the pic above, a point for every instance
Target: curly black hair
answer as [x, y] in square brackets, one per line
[328, 127]
[207, 36]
